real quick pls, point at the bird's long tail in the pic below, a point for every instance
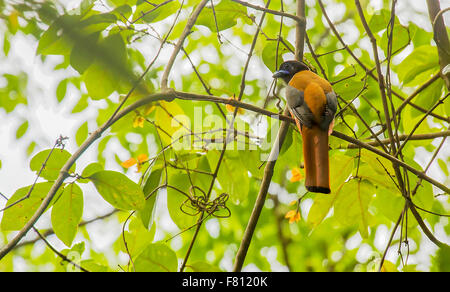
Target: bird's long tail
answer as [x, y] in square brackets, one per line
[316, 160]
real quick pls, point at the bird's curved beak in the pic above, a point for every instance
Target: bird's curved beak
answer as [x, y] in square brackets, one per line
[280, 73]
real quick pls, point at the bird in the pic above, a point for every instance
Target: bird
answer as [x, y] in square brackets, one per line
[312, 103]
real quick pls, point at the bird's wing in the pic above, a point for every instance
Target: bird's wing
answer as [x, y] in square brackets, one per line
[298, 107]
[330, 111]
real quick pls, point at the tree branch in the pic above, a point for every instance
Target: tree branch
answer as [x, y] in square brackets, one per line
[187, 30]
[270, 165]
[394, 160]
[403, 137]
[170, 95]
[440, 37]
[369, 72]
[381, 84]
[226, 140]
[299, 19]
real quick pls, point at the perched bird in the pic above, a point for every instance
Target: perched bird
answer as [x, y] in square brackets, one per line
[313, 104]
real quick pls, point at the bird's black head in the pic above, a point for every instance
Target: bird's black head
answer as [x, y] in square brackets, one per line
[288, 69]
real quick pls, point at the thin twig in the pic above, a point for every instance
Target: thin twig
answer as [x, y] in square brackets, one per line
[63, 257]
[187, 30]
[298, 19]
[268, 170]
[365, 68]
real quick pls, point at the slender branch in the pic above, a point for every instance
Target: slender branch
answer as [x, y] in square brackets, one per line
[419, 181]
[169, 96]
[416, 92]
[381, 84]
[424, 227]
[261, 198]
[299, 19]
[440, 36]
[49, 232]
[63, 257]
[187, 30]
[226, 141]
[403, 137]
[365, 68]
[284, 242]
[390, 238]
[59, 142]
[270, 165]
[393, 159]
[421, 120]
[150, 11]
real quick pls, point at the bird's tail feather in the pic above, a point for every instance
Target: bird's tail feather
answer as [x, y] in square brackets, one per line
[316, 160]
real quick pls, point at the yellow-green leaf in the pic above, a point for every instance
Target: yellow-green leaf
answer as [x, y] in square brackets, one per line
[118, 190]
[157, 257]
[67, 212]
[15, 217]
[351, 207]
[53, 165]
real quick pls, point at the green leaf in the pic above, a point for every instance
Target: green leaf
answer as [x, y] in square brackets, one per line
[129, 2]
[82, 55]
[400, 38]
[67, 212]
[341, 167]
[443, 166]
[88, 170]
[164, 116]
[442, 259]
[15, 217]
[175, 200]
[85, 6]
[81, 105]
[152, 182]
[157, 257]
[74, 255]
[430, 95]
[61, 90]
[352, 206]
[21, 130]
[91, 169]
[97, 74]
[380, 20]
[118, 190]
[56, 40]
[123, 11]
[420, 36]
[81, 134]
[348, 88]
[269, 55]
[377, 169]
[107, 68]
[96, 23]
[137, 237]
[53, 165]
[232, 176]
[146, 13]
[421, 59]
[6, 44]
[92, 266]
[203, 267]
[226, 12]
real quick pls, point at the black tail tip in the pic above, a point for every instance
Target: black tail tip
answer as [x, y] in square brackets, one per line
[315, 189]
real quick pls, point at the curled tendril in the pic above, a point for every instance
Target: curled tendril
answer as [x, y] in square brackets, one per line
[195, 205]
